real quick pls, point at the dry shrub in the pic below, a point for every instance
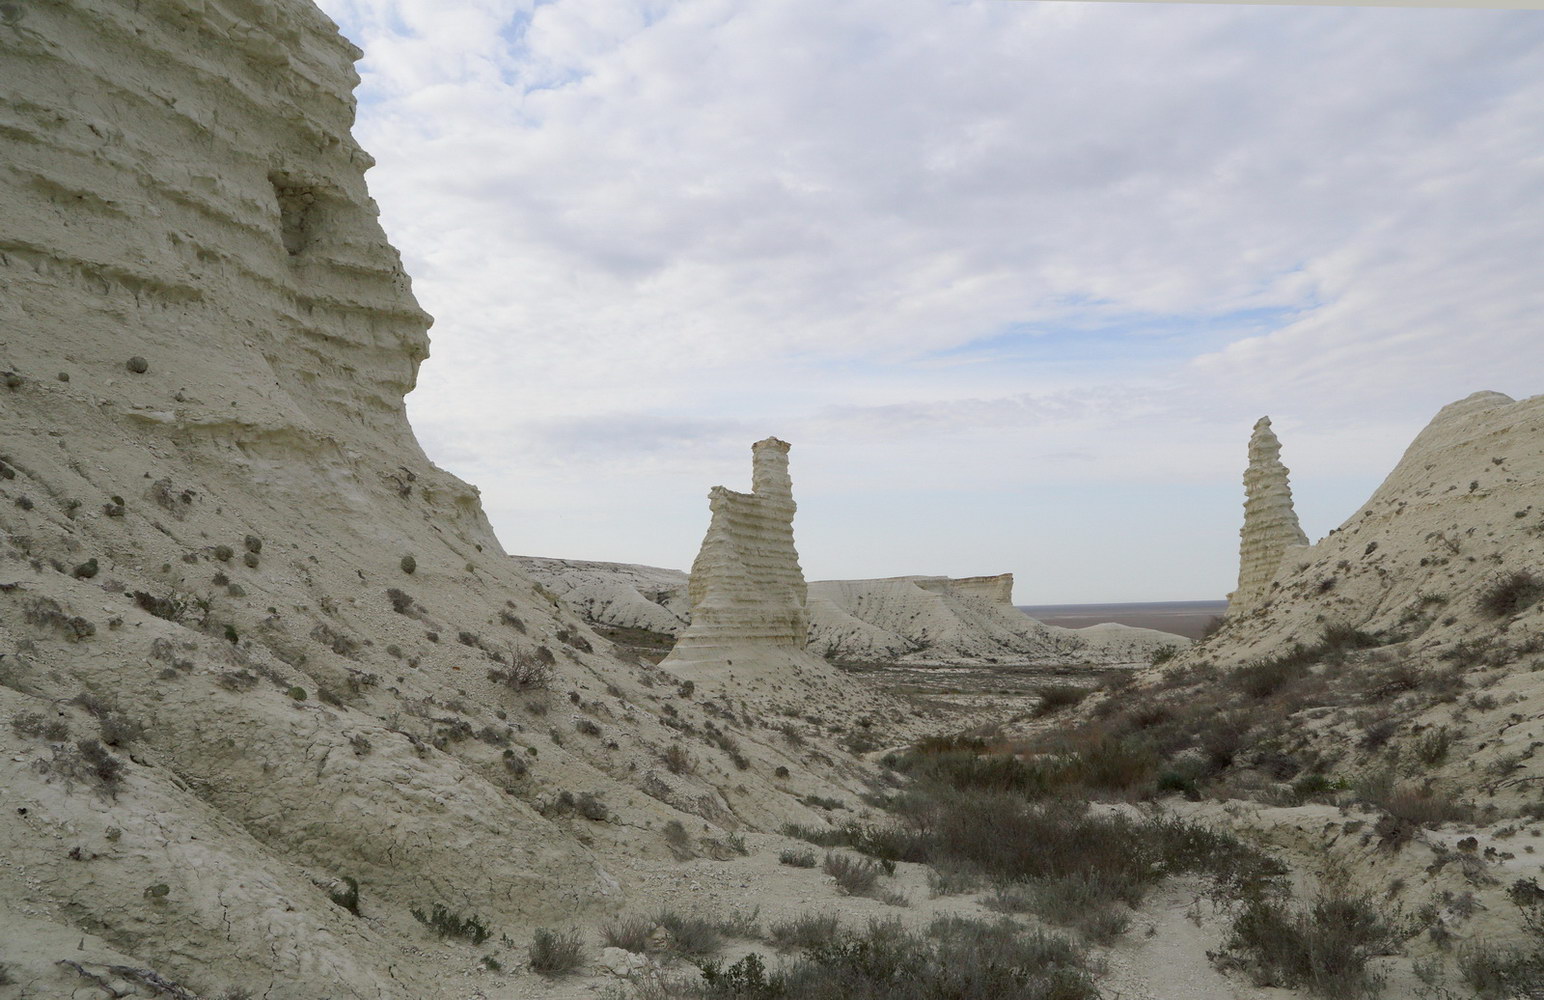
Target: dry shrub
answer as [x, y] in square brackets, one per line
[556, 953]
[854, 876]
[807, 930]
[526, 673]
[1055, 697]
[959, 958]
[1511, 594]
[1323, 948]
[630, 933]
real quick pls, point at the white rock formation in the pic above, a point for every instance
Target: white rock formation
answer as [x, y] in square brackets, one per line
[1270, 524]
[928, 620]
[909, 619]
[1459, 512]
[746, 590]
[224, 556]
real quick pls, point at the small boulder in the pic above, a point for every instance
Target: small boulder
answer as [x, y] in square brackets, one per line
[623, 963]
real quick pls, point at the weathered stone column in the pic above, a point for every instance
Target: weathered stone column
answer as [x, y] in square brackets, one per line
[1270, 524]
[747, 590]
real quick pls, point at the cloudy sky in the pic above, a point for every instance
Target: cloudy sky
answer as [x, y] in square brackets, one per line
[1015, 278]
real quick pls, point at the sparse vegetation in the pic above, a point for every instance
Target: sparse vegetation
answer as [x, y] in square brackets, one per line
[957, 958]
[1511, 595]
[46, 612]
[88, 762]
[854, 876]
[1323, 948]
[678, 840]
[34, 724]
[555, 953]
[524, 673]
[447, 924]
[796, 858]
[629, 932]
[690, 934]
[1501, 973]
[677, 760]
[116, 727]
[807, 930]
[1055, 697]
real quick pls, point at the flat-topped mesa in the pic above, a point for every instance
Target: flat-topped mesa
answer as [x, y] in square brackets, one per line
[992, 589]
[747, 590]
[1270, 524]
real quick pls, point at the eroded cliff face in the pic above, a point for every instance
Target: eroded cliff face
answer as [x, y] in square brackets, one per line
[1270, 524]
[252, 643]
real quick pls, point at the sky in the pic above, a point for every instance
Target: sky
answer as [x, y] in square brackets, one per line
[1014, 278]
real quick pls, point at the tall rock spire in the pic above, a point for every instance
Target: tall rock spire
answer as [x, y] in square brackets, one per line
[1270, 523]
[747, 591]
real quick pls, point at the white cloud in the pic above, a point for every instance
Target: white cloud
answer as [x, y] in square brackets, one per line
[653, 232]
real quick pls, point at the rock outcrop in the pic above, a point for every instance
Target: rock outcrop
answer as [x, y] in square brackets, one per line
[746, 589]
[1457, 516]
[1270, 524]
[1407, 647]
[255, 648]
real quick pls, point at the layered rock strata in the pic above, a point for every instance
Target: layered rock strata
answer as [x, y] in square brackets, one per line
[909, 619]
[268, 683]
[1270, 524]
[746, 589]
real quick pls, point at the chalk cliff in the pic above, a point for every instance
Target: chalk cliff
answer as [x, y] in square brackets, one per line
[254, 647]
[1270, 524]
